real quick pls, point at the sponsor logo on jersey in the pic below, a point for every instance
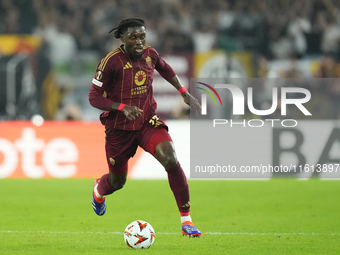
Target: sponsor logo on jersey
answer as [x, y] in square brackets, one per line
[139, 90]
[140, 78]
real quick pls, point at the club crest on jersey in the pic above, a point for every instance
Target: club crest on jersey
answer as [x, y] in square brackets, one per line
[140, 78]
[99, 75]
[148, 61]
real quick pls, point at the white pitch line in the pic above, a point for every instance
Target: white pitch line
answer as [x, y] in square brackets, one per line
[166, 233]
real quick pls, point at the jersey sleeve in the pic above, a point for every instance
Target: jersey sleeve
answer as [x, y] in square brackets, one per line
[99, 83]
[164, 69]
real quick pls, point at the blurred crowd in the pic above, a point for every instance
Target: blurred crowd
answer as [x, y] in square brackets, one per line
[275, 29]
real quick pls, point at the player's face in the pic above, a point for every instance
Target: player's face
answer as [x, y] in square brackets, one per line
[134, 41]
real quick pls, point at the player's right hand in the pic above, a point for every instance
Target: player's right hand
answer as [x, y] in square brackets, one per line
[132, 112]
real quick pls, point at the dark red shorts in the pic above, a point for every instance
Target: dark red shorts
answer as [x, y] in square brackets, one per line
[121, 145]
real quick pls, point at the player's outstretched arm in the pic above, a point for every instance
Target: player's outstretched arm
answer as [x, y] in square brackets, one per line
[187, 97]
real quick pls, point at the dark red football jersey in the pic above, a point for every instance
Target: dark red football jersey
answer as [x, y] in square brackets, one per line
[121, 79]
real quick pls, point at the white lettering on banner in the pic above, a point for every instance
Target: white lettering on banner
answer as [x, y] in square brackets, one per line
[10, 161]
[28, 145]
[60, 150]
[58, 156]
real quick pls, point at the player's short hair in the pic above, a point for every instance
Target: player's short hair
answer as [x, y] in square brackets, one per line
[125, 24]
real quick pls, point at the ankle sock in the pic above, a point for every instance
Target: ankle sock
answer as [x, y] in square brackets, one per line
[99, 198]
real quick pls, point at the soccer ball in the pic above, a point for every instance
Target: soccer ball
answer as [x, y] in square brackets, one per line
[139, 235]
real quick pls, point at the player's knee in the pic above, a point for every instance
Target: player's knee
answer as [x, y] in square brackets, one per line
[168, 158]
[166, 155]
[169, 161]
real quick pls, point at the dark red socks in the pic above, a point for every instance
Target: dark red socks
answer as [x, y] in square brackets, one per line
[179, 186]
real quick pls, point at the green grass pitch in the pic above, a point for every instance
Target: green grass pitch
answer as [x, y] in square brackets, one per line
[282, 216]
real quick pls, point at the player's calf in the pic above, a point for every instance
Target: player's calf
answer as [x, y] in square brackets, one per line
[117, 182]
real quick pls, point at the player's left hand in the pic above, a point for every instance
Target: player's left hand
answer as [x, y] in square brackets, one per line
[132, 112]
[192, 102]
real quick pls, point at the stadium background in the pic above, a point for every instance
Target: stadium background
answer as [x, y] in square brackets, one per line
[49, 51]
[52, 145]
